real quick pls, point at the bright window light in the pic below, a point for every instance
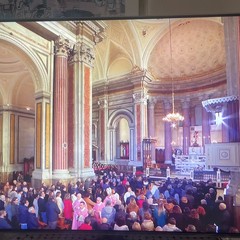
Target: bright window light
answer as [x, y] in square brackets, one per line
[219, 118]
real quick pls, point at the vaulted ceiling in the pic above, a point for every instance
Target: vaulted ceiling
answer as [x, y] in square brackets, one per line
[197, 56]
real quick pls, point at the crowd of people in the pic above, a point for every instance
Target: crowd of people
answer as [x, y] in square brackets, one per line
[116, 202]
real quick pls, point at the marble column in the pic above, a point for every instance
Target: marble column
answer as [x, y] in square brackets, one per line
[186, 126]
[151, 126]
[205, 128]
[60, 107]
[192, 117]
[167, 134]
[82, 57]
[233, 120]
[140, 113]
[103, 118]
[7, 145]
[225, 135]
[231, 35]
[151, 117]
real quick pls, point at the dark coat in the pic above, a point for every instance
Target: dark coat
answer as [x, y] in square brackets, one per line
[15, 216]
[104, 226]
[32, 221]
[22, 213]
[223, 221]
[41, 205]
[4, 224]
[52, 211]
[2, 205]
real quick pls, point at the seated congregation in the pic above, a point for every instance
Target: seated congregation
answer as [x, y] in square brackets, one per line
[116, 202]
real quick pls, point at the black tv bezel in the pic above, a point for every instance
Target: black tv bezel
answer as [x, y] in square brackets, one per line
[168, 9]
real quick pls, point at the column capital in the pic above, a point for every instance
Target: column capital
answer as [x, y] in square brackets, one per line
[62, 47]
[81, 52]
[103, 103]
[140, 97]
[152, 102]
[167, 104]
[185, 103]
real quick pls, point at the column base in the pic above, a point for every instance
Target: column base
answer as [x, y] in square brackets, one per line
[168, 162]
[5, 176]
[87, 173]
[39, 176]
[62, 175]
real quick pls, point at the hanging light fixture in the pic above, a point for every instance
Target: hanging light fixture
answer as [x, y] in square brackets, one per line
[173, 117]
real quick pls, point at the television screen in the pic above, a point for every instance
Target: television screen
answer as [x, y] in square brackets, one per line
[118, 125]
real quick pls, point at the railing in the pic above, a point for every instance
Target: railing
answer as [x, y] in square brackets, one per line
[101, 167]
[219, 177]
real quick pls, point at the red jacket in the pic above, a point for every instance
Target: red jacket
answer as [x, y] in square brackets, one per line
[85, 226]
[68, 209]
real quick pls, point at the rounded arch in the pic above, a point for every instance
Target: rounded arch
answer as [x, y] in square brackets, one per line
[30, 58]
[117, 115]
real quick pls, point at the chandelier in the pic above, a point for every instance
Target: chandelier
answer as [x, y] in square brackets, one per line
[173, 117]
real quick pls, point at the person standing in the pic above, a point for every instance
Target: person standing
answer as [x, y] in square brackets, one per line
[14, 213]
[23, 213]
[2, 202]
[109, 213]
[76, 209]
[98, 208]
[3, 222]
[32, 220]
[42, 207]
[52, 212]
[59, 202]
[82, 213]
[68, 209]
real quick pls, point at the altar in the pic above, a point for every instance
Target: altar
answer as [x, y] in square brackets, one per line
[195, 160]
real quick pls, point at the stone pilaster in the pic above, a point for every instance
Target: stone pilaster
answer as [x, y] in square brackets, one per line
[43, 140]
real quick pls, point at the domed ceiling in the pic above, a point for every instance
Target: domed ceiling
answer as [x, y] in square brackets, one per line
[197, 47]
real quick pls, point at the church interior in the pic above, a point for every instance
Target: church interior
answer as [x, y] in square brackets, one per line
[79, 95]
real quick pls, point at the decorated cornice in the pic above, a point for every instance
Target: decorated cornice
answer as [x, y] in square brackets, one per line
[212, 105]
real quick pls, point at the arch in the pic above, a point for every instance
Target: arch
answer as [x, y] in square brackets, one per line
[30, 58]
[113, 122]
[117, 115]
